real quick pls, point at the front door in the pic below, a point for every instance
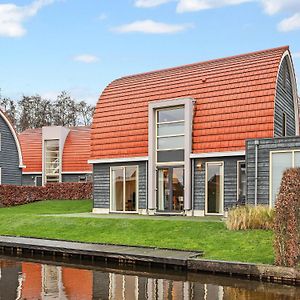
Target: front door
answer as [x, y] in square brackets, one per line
[170, 188]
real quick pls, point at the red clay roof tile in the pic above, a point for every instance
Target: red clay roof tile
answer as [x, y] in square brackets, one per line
[76, 151]
[234, 101]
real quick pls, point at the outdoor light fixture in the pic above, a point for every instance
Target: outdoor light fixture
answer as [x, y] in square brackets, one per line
[199, 166]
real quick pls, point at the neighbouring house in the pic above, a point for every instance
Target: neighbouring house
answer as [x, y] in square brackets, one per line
[196, 139]
[11, 161]
[56, 154]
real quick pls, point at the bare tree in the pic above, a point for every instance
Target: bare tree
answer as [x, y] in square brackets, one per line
[85, 113]
[36, 112]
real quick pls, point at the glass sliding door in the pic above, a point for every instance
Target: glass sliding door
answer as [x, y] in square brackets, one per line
[117, 190]
[124, 189]
[214, 188]
[130, 188]
[170, 188]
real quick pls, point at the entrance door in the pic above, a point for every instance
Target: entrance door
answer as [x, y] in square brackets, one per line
[170, 188]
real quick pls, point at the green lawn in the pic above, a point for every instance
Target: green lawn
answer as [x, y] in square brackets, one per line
[212, 237]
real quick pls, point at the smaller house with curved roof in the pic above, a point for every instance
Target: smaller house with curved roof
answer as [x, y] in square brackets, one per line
[11, 160]
[56, 154]
[196, 139]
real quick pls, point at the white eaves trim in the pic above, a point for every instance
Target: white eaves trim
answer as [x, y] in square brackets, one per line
[117, 160]
[31, 173]
[217, 154]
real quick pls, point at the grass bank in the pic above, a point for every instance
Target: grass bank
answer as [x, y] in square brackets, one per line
[210, 236]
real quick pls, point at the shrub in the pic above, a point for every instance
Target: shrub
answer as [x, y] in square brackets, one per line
[287, 220]
[250, 217]
[11, 195]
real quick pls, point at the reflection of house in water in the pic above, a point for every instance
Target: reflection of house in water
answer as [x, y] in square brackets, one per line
[10, 280]
[53, 282]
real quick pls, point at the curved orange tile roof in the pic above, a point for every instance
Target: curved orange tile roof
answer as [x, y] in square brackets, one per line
[76, 151]
[234, 101]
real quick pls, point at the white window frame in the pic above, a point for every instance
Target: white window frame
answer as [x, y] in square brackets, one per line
[167, 136]
[124, 183]
[238, 177]
[292, 151]
[218, 163]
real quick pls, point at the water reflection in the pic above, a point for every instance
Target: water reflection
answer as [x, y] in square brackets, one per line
[30, 280]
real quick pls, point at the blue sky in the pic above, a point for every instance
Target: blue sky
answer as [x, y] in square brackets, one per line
[80, 46]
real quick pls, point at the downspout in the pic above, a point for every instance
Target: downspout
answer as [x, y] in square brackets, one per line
[256, 143]
[193, 172]
[146, 176]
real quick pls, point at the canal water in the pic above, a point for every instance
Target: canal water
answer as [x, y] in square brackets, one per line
[21, 279]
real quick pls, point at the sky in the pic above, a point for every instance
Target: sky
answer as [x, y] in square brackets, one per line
[47, 46]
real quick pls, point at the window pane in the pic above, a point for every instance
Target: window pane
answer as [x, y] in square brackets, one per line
[170, 155]
[297, 159]
[117, 189]
[214, 188]
[280, 162]
[170, 129]
[178, 188]
[172, 114]
[170, 142]
[241, 182]
[130, 188]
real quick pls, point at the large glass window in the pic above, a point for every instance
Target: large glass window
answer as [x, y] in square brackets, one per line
[280, 161]
[214, 188]
[124, 188]
[52, 161]
[241, 181]
[170, 134]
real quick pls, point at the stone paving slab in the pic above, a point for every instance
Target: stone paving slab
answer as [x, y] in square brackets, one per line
[145, 254]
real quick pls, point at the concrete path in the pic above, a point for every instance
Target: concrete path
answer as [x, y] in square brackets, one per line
[139, 254]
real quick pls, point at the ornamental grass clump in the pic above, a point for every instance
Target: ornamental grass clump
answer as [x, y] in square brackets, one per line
[250, 217]
[287, 220]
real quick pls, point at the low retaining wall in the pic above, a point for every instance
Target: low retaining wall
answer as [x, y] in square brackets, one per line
[254, 271]
[11, 195]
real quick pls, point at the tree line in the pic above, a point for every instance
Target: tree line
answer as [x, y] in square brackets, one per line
[34, 111]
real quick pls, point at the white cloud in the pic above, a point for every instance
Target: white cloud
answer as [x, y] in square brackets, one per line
[86, 58]
[196, 5]
[152, 27]
[297, 55]
[150, 3]
[12, 17]
[272, 7]
[289, 24]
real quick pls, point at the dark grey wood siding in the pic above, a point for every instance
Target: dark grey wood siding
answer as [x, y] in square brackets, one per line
[9, 156]
[75, 177]
[284, 102]
[263, 165]
[230, 181]
[101, 179]
[29, 179]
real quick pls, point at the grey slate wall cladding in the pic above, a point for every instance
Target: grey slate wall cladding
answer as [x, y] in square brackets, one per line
[230, 181]
[101, 179]
[264, 148]
[9, 156]
[284, 103]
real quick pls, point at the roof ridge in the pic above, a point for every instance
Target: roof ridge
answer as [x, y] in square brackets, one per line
[204, 62]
